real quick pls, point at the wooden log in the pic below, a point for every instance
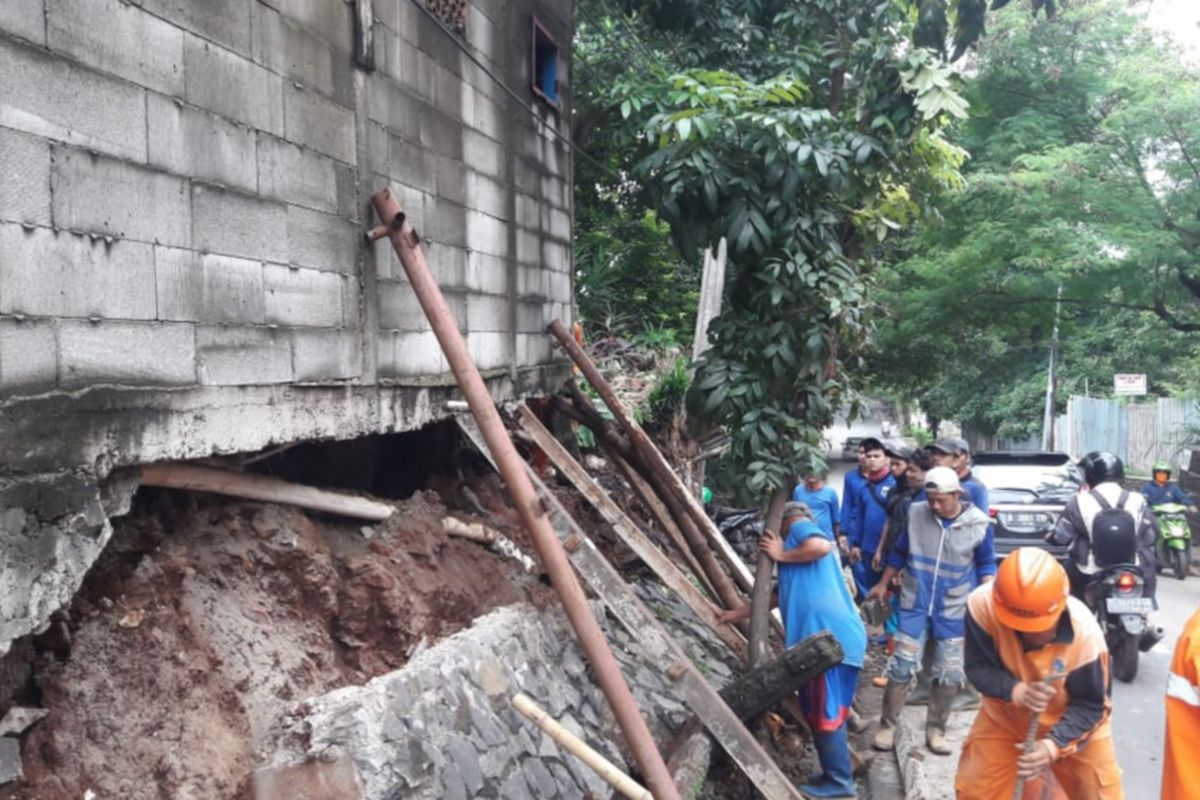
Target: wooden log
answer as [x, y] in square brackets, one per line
[764, 574]
[664, 476]
[689, 758]
[654, 558]
[261, 487]
[608, 771]
[774, 681]
[624, 604]
[725, 590]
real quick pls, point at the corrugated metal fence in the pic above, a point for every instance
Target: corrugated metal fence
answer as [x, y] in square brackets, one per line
[1139, 432]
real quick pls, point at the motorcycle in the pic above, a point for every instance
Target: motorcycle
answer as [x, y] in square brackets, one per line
[1174, 537]
[1117, 597]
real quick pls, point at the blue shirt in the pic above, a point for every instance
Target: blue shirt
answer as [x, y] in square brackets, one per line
[870, 514]
[853, 482]
[1171, 493]
[823, 502]
[813, 597]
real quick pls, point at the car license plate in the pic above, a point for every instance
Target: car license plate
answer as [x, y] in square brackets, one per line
[1129, 605]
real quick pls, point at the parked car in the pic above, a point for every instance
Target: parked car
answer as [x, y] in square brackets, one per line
[850, 448]
[1027, 491]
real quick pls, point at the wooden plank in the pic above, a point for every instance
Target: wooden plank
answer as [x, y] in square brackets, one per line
[624, 604]
[628, 532]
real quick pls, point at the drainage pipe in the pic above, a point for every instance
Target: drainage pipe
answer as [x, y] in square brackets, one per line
[512, 470]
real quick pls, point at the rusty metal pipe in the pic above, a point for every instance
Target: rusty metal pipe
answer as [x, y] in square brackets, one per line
[512, 470]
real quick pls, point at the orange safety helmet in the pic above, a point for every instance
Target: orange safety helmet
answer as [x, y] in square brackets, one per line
[1031, 590]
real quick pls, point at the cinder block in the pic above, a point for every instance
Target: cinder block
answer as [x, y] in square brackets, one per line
[555, 255]
[399, 309]
[529, 212]
[54, 98]
[302, 297]
[448, 91]
[408, 355]
[486, 273]
[488, 312]
[285, 47]
[44, 273]
[129, 353]
[226, 22]
[398, 59]
[97, 194]
[560, 287]
[529, 247]
[241, 356]
[411, 164]
[560, 224]
[489, 116]
[448, 264]
[556, 191]
[296, 175]
[395, 107]
[319, 123]
[332, 21]
[489, 349]
[208, 288]
[481, 33]
[531, 281]
[531, 316]
[533, 349]
[197, 144]
[483, 153]
[24, 178]
[322, 241]
[232, 86]
[445, 223]
[120, 38]
[397, 15]
[327, 355]
[441, 133]
[238, 225]
[487, 195]
[28, 354]
[452, 180]
[24, 18]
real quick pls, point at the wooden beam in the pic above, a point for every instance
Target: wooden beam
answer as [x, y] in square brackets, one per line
[657, 644]
[261, 487]
[628, 532]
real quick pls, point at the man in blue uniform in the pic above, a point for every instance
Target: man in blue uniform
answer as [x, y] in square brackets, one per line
[813, 597]
[870, 514]
[822, 500]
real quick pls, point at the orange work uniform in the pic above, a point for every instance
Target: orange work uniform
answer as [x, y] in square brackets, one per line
[1076, 721]
[1181, 769]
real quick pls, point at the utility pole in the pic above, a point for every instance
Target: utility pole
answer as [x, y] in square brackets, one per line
[1052, 379]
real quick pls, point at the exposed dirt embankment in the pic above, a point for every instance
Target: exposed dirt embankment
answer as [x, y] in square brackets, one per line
[204, 622]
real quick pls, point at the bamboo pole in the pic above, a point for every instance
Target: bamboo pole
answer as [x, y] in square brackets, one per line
[261, 487]
[508, 461]
[607, 770]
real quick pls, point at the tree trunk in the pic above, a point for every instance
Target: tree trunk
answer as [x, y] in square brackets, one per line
[772, 682]
[764, 572]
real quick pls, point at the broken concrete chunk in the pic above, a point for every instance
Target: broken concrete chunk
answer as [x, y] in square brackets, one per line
[311, 780]
[10, 760]
[18, 720]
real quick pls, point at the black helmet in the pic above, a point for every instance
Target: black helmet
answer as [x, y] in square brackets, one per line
[1101, 467]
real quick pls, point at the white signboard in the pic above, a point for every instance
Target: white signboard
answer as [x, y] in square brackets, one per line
[1129, 383]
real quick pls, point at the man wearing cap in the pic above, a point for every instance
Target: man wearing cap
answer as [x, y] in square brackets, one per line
[944, 552]
[1030, 649]
[870, 514]
[955, 453]
[813, 598]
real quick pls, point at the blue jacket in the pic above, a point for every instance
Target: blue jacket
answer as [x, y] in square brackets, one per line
[978, 494]
[942, 561]
[870, 514]
[850, 486]
[1171, 493]
[823, 502]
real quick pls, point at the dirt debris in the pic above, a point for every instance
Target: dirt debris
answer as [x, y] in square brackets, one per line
[207, 619]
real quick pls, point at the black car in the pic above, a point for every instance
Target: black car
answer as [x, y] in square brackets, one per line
[1027, 491]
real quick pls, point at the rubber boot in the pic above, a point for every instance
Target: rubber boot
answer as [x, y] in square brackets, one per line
[893, 701]
[940, 699]
[919, 696]
[836, 779]
[967, 699]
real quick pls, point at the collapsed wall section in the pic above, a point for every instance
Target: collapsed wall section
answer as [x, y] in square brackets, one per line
[183, 189]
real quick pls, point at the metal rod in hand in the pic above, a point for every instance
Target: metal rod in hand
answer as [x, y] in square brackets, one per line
[1031, 737]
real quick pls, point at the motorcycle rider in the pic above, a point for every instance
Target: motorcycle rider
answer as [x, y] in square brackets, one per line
[1160, 490]
[1103, 493]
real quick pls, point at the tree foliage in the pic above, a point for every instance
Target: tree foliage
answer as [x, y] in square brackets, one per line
[1084, 144]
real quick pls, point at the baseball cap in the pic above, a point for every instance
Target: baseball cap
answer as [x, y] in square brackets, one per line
[942, 480]
[950, 445]
[897, 449]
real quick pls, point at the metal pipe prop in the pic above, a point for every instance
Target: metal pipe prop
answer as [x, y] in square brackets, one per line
[607, 770]
[512, 470]
[1031, 736]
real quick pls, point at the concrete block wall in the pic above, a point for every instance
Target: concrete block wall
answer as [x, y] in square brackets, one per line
[183, 191]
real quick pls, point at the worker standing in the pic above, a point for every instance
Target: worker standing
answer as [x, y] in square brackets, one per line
[1181, 769]
[1031, 648]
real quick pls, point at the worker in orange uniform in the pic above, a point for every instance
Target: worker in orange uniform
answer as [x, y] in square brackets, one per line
[1181, 769]
[1031, 648]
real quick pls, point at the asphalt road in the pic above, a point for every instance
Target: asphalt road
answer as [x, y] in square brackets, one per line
[1139, 707]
